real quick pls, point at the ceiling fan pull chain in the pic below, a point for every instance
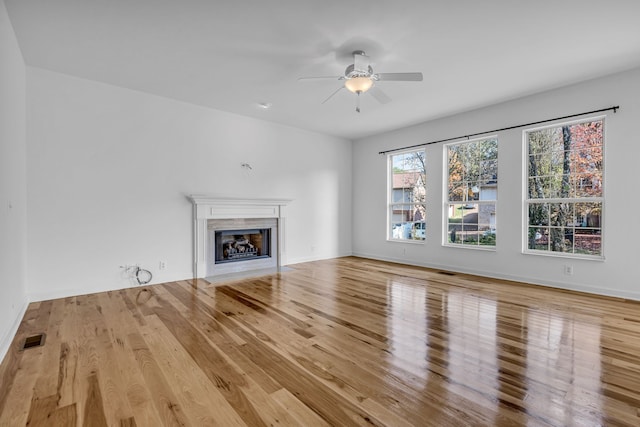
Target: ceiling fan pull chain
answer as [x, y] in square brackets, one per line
[358, 103]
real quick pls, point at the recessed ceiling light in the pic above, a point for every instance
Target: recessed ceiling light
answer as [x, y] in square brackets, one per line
[265, 105]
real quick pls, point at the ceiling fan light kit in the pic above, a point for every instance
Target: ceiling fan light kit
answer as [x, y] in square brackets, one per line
[360, 78]
[359, 84]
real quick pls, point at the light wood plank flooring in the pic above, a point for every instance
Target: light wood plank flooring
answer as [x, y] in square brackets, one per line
[331, 343]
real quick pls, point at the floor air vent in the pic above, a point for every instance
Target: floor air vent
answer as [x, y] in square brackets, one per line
[447, 273]
[33, 341]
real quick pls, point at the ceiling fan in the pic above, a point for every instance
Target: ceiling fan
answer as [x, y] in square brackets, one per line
[359, 78]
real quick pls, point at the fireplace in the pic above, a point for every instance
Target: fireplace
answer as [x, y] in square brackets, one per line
[242, 245]
[237, 235]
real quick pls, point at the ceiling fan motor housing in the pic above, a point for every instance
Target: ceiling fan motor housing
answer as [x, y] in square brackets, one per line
[351, 72]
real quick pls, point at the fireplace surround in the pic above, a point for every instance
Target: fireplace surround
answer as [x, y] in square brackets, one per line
[233, 235]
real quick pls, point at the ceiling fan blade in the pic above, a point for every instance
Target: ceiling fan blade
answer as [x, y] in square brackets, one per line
[360, 61]
[379, 95]
[400, 77]
[331, 96]
[321, 78]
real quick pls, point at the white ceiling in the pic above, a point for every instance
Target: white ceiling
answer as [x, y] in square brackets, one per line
[233, 55]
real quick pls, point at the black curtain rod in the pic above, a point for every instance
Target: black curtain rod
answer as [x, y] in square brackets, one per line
[615, 109]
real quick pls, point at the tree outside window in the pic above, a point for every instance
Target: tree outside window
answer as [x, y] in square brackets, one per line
[564, 197]
[472, 193]
[407, 195]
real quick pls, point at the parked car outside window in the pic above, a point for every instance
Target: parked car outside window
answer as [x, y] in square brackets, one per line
[419, 230]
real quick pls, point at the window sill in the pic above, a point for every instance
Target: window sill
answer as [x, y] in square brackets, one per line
[564, 255]
[411, 242]
[473, 247]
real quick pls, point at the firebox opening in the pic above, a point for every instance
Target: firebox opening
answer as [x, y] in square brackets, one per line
[242, 245]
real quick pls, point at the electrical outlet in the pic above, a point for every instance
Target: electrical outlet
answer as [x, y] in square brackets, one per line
[162, 265]
[568, 269]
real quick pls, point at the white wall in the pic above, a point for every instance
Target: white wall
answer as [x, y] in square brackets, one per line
[618, 275]
[110, 168]
[13, 179]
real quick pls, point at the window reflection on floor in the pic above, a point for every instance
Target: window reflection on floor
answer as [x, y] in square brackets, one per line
[472, 344]
[563, 361]
[407, 325]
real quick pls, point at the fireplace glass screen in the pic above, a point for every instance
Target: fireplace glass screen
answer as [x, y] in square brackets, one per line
[242, 245]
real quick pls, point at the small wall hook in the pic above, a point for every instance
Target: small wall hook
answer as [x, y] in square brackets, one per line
[246, 165]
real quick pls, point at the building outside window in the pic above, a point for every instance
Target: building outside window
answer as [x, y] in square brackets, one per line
[472, 193]
[406, 197]
[565, 189]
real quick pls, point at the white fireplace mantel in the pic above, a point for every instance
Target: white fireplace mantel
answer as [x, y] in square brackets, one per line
[207, 207]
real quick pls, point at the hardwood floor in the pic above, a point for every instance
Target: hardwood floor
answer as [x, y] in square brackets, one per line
[339, 342]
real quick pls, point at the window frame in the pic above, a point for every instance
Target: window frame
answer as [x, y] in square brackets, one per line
[411, 204]
[526, 201]
[447, 202]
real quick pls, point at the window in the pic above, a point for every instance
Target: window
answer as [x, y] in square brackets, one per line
[564, 194]
[472, 193]
[406, 212]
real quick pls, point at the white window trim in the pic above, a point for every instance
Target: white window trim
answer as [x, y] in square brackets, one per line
[447, 202]
[525, 200]
[389, 231]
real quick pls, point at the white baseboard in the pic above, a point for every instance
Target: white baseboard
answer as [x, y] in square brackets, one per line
[616, 293]
[300, 260]
[7, 339]
[64, 293]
